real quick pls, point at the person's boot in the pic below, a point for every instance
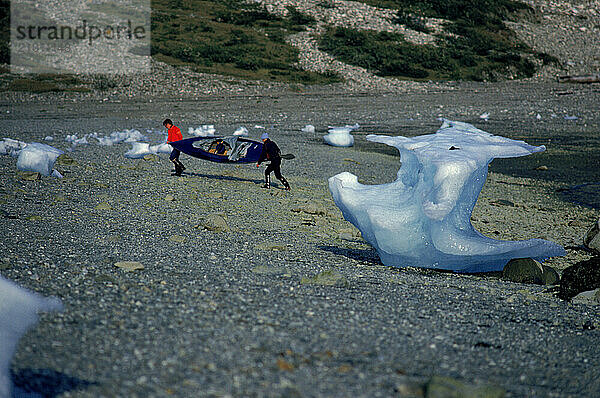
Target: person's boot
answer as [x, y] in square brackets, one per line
[178, 170]
[180, 165]
[267, 182]
[285, 184]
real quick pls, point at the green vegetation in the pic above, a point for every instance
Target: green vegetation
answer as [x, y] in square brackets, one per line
[43, 83]
[481, 47]
[230, 37]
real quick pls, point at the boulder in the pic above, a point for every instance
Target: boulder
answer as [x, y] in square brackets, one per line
[591, 240]
[581, 277]
[523, 270]
[215, 223]
[550, 276]
[591, 297]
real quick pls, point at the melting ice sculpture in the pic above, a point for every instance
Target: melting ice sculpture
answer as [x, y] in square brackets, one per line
[18, 312]
[340, 136]
[423, 218]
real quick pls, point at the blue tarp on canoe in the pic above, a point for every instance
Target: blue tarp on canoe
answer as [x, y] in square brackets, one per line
[238, 150]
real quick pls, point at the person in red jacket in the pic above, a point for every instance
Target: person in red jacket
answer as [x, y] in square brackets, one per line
[174, 134]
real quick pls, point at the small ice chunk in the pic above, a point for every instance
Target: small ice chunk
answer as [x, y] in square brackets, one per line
[18, 312]
[11, 147]
[138, 150]
[538, 117]
[309, 128]
[423, 218]
[206, 130]
[49, 138]
[38, 158]
[116, 137]
[339, 136]
[258, 126]
[241, 132]
[567, 117]
[485, 116]
[161, 148]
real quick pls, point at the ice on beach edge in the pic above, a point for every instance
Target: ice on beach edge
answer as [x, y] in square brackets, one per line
[423, 219]
[18, 312]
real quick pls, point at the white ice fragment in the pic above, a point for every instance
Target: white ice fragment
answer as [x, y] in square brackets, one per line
[309, 128]
[49, 138]
[538, 117]
[116, 137]
[18, 312]
[567, 117]
[485, 116]
[56, 173]
[38, 158]
[258, 126]
[11, 147]
[241, 132]
[206, 130]
[423, 218]
[339, 136]
[161, 148]
[138, 150]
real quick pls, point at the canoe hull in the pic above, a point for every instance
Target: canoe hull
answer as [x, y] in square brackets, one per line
[193, 147]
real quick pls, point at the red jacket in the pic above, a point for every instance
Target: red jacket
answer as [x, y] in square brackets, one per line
[174, 134]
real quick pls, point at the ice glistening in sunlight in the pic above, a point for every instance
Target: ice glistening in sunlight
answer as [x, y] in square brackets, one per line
[423, 218]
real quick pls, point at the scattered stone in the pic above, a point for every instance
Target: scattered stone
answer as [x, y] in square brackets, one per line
[103, 206]
[523, 270]
[215, 223]
[29, 175]
[66, 160]
[282, 364]
[177, 238]
[446, 387]
[213, 195]
[151, 157]
[170, 198]
[351, 161]
[542, 168]
[581, 277]
[591, 240]
[311, 208]
[60, 198]
[129, 265]
[550, 275]
[591, 297]
[34, 218]
[502, 202]
[270, 247]
[325, 278]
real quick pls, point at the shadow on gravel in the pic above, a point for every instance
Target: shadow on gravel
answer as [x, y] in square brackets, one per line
[44, 383]
[365, 255]
[224, 178]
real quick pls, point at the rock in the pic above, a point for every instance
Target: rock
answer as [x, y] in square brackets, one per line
[502, 202]
[311, 208]
[581, 277]
[129, 265]
[169, 198]
[325, 278]
[103, 206]
[446, 387]
[215, 223]
[151, 157]
[523, 270]
[542, 168]
[34, 218]
[591, 240]
[266, 270]
[591, 297]
[66, 160]
[550, 276]
[270, 247]
[29, 175]
[177, 238]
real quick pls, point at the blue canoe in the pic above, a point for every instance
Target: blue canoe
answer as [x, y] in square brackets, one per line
[237, 149]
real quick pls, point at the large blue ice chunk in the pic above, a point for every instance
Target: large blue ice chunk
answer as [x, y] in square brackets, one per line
[423, 218]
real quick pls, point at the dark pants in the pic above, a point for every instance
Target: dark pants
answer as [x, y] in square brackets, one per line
[276, 167]
[174, 155]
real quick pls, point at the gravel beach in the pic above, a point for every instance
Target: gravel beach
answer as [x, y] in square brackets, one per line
[284, 298]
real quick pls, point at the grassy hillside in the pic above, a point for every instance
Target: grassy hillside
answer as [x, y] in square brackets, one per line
[229, 37]
[480, 46]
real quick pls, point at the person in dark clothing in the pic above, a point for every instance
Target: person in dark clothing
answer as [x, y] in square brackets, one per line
[221, 149]
[174, 134]
[270, 152]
